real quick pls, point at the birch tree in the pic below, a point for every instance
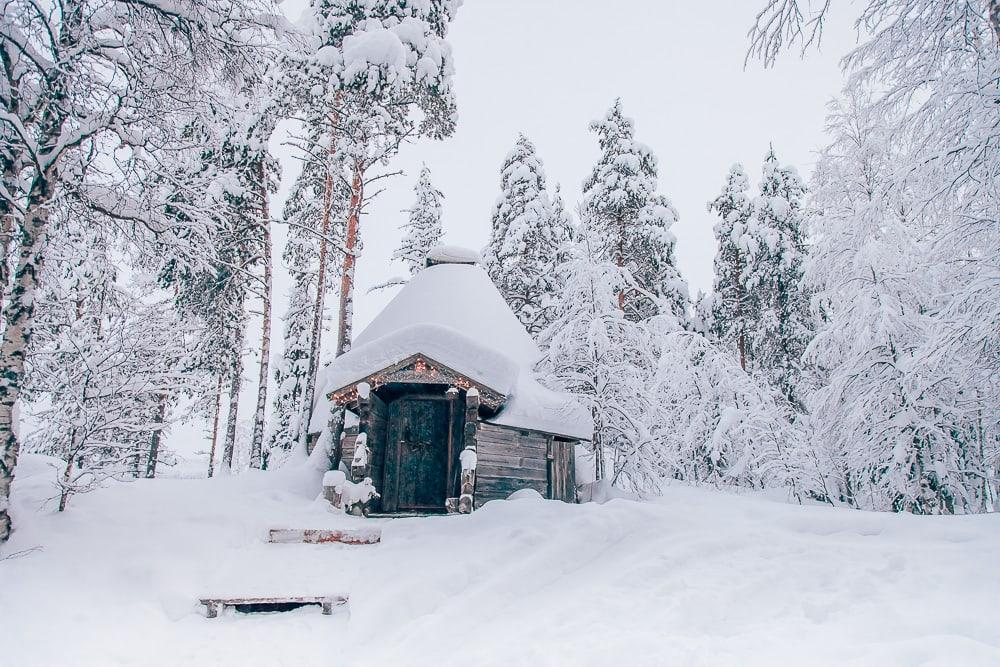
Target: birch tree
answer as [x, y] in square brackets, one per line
[79, 81]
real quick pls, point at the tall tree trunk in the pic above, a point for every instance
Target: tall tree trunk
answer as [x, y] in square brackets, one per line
[20, 311]
[215, 428]
[620, 262]
[17, 336]
[741, 340]
[64, 491]
[236, 383]
[995, 17]
[345, 314]
[316, 329]
[257, 440]
[6, 237]
[154, 441]
[598, 445]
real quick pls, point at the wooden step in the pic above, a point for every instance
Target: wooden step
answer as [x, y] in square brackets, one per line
[310, 536]
[264, 604]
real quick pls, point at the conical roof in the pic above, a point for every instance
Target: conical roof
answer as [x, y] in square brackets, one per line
[462, 298]
[454, 314]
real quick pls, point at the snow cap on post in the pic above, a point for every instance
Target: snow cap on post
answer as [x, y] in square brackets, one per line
[450, 254]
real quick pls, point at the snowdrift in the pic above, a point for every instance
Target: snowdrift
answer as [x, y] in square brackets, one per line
[696, 578]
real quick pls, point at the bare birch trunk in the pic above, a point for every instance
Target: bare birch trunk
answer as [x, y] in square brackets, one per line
[215, 428]
[257, 440]
[6, 227]
[599, 472]
[20, 311]
[345, 315]
[67, 475]
[154, 441]
[236, 382]
[16, 337]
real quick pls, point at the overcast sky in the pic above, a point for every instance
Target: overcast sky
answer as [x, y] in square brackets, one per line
[549, 67]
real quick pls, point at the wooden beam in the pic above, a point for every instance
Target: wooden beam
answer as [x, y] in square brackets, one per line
[467, 491]
[214, 605]
[316, 536]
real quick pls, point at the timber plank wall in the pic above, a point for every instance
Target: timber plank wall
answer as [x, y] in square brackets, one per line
[510, 460]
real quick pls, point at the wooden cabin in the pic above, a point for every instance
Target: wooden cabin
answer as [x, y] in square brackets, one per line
[437, 403]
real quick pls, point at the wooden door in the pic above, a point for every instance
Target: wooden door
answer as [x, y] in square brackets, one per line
[416, 468]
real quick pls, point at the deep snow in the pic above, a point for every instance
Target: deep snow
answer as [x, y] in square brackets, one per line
[697, 577]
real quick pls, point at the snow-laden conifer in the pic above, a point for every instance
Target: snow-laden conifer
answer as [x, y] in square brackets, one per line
[773, 279]
[526, 238]
[729, 317]
[304, 207]
[423, 227]
[630, 222]
[368, 106]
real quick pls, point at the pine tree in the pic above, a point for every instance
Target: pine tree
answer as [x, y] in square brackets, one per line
[526, 238]
[729, 317]
[301, 257]
[307, 203]
[370, 106]
[423, 229]
[631, 223]
[773, 279]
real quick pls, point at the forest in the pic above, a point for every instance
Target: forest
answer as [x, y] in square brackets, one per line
[848, 353]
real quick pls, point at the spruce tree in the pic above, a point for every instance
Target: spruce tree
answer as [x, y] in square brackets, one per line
[630, 222]
[526, 238]
[774, 279]
[728, 314]
[423, 229]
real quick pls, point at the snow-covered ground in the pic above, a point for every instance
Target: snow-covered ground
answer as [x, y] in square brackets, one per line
[697, 577]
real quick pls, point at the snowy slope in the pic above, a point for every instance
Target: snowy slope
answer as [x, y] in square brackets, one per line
[697, 577]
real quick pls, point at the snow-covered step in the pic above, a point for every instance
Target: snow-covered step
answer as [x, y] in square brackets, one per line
[266, 604]
[310, 536]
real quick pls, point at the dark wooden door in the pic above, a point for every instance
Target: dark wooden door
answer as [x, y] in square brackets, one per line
[416, 468]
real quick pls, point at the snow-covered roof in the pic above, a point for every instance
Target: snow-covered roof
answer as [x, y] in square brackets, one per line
[453, 314]
[533, 406]
[440, 343]
[460, 297]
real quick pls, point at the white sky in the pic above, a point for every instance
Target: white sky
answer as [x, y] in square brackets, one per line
[549, 67]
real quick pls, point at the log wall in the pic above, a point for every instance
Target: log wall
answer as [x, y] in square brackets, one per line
[509, 460]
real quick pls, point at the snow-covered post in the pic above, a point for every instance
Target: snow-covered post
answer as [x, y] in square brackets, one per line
[336, 427]
[333, 487]
[359, 464]
[466, 501]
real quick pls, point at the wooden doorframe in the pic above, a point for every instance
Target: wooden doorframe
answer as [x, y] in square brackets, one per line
[396, 450]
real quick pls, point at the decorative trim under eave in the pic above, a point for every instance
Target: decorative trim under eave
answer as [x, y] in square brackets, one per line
[418, 369]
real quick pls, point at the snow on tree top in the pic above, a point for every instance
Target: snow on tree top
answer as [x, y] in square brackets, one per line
[451, 254]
